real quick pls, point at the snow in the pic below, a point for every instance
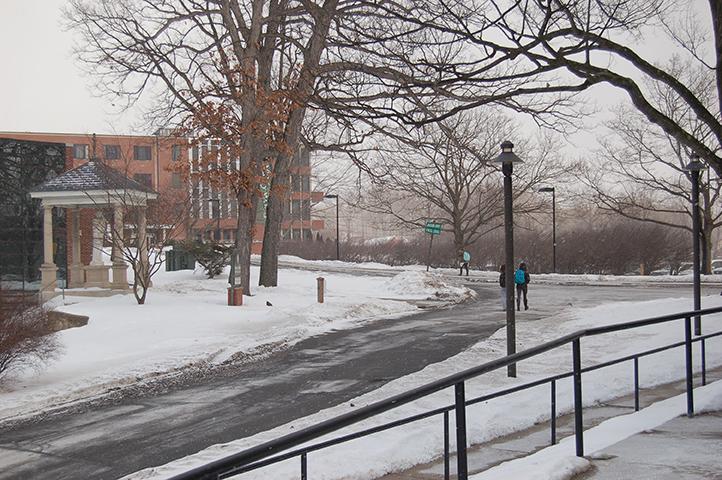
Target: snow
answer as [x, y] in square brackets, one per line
[186, 322]
[559, 461]
[493, 276]
[429, 285]
[403, 447]
[293, 260]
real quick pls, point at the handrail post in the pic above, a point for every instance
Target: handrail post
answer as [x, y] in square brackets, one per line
[462, 467]
[447, 470]
[636, 384]
[578, 419]
[554, 412]
[688, 362]
[704, 364]
[304, 467]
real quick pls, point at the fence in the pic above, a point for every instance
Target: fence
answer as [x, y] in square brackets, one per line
[273, 451]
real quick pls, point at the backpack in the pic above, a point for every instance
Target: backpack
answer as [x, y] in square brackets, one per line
[519, 277]
[467, 256]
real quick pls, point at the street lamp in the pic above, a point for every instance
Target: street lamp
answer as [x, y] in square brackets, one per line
[507, 158]
[338, 250]
[554, 225]
[694, 167]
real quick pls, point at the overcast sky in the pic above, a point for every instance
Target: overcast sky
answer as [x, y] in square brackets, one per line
[41, 87]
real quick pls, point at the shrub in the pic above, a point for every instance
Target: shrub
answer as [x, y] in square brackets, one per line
[26, 337]
[212, 256]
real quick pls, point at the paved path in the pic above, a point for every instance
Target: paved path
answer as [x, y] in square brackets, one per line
[109, 441]
[681, 449]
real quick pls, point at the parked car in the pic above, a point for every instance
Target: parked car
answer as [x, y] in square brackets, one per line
[717, 266]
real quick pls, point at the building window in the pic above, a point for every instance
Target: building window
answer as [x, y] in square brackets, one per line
[306, 210]
[112, 152]
[304, 158]
[176, 153]
[144, 179]
[295, 209]
[141, 152]
[305, 183]
[175, 180]
[80, 151]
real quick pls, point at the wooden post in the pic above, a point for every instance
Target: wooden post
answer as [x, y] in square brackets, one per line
[320, 287]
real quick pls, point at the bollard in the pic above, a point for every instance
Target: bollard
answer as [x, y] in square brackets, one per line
[320, 286]
[235, 296]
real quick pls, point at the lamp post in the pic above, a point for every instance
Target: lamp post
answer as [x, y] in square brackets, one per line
[694, 167]
[507, 158]
[554, 225]
[338, 250]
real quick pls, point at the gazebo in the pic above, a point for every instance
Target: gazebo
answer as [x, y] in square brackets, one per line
[96, 186]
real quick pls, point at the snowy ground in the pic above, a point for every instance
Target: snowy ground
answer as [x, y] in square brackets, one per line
[186, 322]
[403, 447]
[493, 277]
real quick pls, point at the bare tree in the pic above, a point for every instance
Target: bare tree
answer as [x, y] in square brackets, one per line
[246, 73]
[140, 232]
[643, 177]
[446, 172]
[524, 49]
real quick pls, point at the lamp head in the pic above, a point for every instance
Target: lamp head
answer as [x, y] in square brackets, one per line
[330, 195]
[546, 189]
[695, 165]
[507, 154]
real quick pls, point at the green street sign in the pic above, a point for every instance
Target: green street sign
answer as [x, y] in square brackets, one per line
[433, 228]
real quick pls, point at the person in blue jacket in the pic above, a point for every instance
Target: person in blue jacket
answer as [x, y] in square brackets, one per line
[521, 279]
[465, 258]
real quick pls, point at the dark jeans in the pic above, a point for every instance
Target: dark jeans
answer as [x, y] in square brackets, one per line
[464, 265]
[521, 289]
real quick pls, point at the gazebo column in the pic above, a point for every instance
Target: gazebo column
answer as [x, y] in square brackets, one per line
[120, 268]
[97, 273]
[77, 274]
[48, 270]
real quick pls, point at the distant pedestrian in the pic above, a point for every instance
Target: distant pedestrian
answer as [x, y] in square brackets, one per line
[502, 284]
[521, 279]
[464, 260]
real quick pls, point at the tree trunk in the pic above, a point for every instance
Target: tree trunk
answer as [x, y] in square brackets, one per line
[459, 245]
[706, 240]
[277, 199]
[306, 80]
[706, 230]
[244, 239]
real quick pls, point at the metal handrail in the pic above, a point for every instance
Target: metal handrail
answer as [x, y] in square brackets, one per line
[258, 456]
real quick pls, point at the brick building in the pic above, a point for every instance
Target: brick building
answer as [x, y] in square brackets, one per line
[150, 160]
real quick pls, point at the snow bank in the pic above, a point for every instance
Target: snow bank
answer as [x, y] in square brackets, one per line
[427, 285]
[404, 447]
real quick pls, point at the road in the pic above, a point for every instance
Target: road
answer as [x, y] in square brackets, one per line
[114, 439]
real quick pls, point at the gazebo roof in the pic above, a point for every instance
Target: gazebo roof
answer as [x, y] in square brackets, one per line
[92, 176]
[92, 184]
